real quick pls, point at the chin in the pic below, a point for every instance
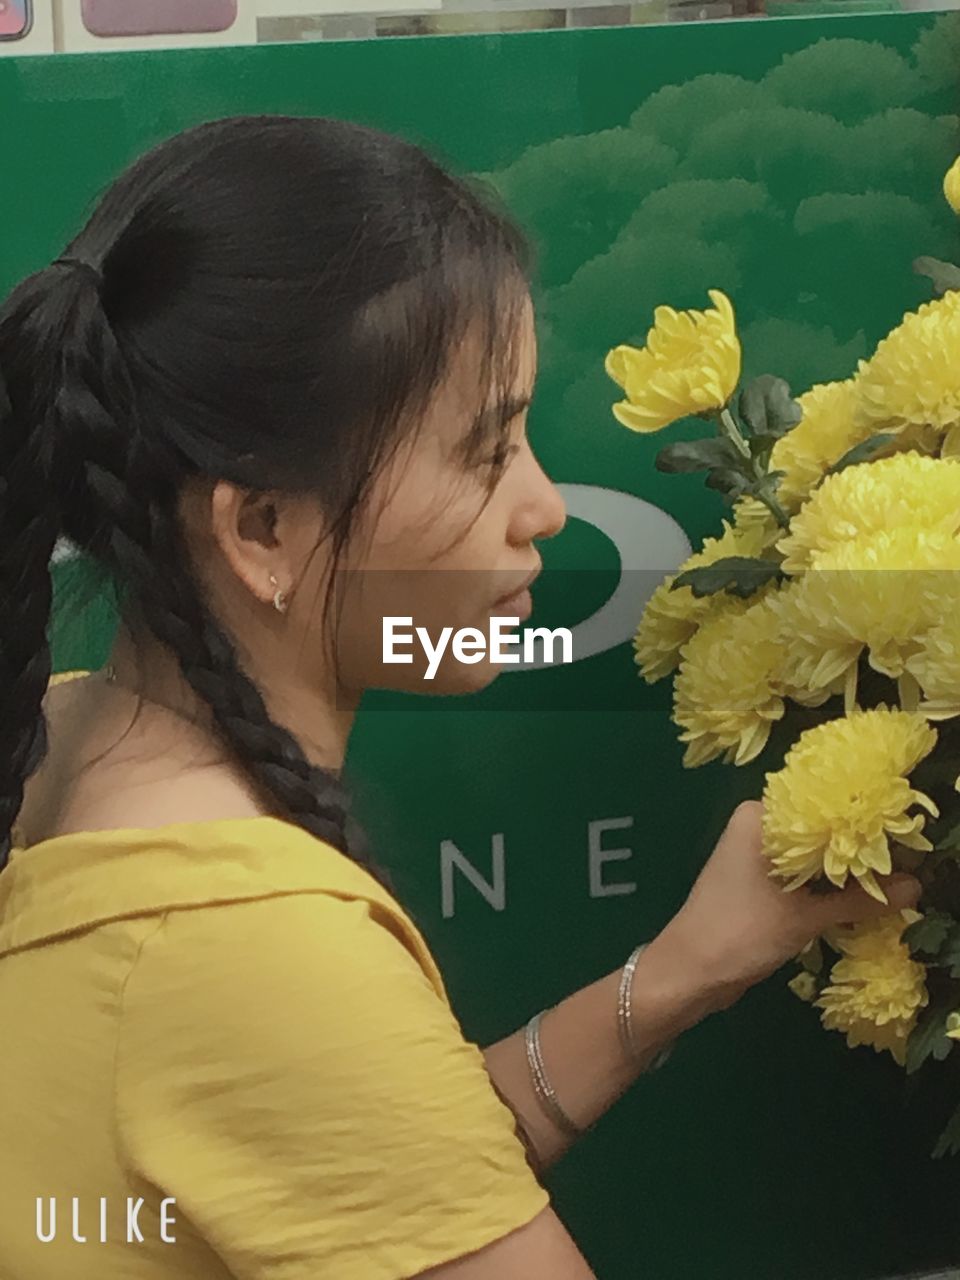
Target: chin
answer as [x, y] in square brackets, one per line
[461, 680]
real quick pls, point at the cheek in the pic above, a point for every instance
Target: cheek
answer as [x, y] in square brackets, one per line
[449, 595]
[432, 599]
[430, 550]
[437, 562]
[363, 665]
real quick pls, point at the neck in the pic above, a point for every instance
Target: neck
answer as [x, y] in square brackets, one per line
[319, 718]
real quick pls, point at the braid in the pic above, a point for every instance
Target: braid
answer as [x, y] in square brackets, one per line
[281, 298]
[147, 549]
[144, 547]
[35, 458]
[29, 527]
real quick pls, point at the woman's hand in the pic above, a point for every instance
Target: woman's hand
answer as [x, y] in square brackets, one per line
[739, 925]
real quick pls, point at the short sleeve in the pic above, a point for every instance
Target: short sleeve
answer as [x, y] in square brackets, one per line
[288, 1073]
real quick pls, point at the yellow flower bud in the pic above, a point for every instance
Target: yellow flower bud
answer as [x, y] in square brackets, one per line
[951, 186]
[804, 985]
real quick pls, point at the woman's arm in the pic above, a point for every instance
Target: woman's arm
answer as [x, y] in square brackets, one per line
[737, 927]
[584, 1058]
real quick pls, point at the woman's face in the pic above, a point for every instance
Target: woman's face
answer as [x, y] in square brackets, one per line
[435, 549]
[432, 546]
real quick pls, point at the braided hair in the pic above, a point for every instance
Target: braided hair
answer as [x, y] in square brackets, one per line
[268, 300]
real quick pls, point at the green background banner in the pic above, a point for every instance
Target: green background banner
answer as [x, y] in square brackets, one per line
[542, 829]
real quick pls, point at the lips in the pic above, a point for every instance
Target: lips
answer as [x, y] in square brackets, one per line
[520, 587]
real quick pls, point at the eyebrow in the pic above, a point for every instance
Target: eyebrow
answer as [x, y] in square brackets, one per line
[499, 414]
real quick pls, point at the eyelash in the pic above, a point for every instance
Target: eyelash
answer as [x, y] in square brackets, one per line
[502, 455]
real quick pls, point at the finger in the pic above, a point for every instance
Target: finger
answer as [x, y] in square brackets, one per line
[902, 890]
[745, 823]
[853, 904]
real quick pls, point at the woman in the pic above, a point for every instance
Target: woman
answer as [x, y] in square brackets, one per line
[283, 354]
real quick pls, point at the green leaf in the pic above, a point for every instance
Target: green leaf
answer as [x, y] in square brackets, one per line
[945, 275]
[939, 771]
[766, 487]
[767, 406]
[811, 957]
[737, 575]
[927, 936]
[696, 455]
[949, 1142]
[948, 957]
[726, 480]
[761, 446]
[937, 858]
[929, 1037]
[861, 452]
[945, 831]
[951, 839]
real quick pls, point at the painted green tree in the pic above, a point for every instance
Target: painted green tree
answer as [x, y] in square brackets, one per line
[803, 193]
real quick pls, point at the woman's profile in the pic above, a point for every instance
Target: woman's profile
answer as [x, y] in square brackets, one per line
[275, 390]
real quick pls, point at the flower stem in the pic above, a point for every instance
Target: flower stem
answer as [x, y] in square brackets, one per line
[729, 428]
[850, 704]
[781, 517]
[733, 433]
[909, 692]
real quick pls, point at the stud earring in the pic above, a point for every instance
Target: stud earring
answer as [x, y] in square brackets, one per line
[279, 599]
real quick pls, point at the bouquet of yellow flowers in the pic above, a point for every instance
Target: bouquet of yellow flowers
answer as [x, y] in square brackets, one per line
[830, 602]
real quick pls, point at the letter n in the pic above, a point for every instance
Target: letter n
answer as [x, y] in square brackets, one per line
[495, 893]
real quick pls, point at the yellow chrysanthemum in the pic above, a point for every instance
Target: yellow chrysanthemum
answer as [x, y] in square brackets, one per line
[821, 437]
[953, 1026]
[906, 489]
[755, 517]
[670, 617]
[936, 668]
[951, 186]
[828, 429]
[912, 377]
[690, 364]
[877, 990]
[842, 792]
[880, 593]
[728, 692]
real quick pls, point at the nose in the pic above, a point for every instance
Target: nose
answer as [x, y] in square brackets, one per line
[541, 511]
[554, 515]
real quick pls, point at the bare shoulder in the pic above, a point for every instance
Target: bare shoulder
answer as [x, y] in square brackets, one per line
[106, 769]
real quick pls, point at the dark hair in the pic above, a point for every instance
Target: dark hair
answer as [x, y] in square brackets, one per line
[267, 299]
[272, 300]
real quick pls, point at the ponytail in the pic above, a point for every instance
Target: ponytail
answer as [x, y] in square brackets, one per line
[140, 542]
[268, 300]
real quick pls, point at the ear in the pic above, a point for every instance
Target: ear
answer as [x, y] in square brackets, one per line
[243, 531]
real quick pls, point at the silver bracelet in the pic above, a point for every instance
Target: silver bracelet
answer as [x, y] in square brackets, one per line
[625, 1014]
[541, 1084]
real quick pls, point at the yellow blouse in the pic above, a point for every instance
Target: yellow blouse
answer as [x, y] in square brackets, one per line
[233, 1016]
